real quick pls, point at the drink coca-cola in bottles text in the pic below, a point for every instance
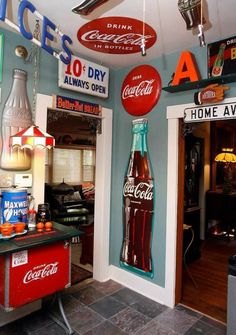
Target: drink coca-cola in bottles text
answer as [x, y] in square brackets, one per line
[138, 205]
[16, 116]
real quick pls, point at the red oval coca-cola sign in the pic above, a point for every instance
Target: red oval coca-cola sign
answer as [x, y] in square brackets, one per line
[141, 90]
[116, 35]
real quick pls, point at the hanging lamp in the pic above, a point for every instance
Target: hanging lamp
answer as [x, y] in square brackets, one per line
[32, 137]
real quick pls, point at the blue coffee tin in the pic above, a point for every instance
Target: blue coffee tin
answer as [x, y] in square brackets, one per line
[14, 205]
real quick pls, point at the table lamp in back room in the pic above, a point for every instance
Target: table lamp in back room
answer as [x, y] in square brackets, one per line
[227, 157]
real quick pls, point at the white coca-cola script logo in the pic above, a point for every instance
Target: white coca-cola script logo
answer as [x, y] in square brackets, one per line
[143, 88]
[140, 191]
[125, 39]
[37, 273]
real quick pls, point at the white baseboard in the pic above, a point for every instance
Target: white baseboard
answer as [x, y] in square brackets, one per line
[140, 285]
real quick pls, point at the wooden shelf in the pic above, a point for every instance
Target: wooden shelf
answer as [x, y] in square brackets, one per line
[229, 78]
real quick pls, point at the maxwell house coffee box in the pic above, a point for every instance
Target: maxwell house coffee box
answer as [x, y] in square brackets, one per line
[222, 57]
[14, 205]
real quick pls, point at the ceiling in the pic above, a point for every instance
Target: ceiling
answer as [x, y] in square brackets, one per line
[162, 15]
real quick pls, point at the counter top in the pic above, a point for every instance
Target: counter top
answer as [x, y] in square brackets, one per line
[35, 239]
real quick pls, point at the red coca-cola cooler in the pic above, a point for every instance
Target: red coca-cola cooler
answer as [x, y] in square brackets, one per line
[30, 274]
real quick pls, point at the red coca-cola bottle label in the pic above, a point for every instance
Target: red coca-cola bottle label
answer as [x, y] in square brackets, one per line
[138, 193]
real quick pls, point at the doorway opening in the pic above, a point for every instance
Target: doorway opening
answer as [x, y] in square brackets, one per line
[207, 215]
[70, 183]
[101, 271]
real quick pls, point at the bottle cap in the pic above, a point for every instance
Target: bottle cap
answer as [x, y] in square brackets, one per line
[31, 211]
[137, 121]
[43, 207]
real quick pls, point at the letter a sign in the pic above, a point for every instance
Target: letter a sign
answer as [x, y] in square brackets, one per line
[186, 69]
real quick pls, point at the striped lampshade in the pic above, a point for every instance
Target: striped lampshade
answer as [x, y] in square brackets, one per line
[32, 137]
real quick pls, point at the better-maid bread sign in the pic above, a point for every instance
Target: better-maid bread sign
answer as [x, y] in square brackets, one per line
[84, 76]
[74, 105]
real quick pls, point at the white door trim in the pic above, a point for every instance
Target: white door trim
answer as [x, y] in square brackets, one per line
[174, 113]
[102, 183]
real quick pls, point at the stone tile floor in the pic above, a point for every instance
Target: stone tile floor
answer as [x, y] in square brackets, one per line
[94, 308]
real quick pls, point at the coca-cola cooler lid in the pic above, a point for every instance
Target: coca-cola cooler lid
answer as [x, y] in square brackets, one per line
[141, 90]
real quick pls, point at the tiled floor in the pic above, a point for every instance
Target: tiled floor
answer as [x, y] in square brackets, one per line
[76, 250]
[94, 308]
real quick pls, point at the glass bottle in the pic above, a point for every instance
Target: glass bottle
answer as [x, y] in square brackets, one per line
[219, 61]
[191, 13]
[43, 214]
[138, 205]
[87, 6]
[31, 218]
[16, 116]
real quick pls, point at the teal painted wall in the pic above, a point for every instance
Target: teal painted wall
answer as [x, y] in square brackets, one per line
[157, 143]
[48, 79]
[157, 135]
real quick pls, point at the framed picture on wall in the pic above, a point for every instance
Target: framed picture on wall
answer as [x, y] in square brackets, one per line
[1, 54]
[221, 57]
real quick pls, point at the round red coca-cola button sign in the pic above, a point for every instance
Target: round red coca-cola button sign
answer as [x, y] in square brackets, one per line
[141, 90]
[116, 35]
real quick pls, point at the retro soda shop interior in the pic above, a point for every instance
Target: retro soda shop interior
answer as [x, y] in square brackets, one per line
[206, 191]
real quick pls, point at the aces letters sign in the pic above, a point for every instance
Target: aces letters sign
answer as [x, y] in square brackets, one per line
[141, 90]
[84, 76]
[116, 35]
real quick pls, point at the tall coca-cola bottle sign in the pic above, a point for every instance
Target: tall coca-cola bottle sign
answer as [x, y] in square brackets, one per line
[138, 205]
[16, 116]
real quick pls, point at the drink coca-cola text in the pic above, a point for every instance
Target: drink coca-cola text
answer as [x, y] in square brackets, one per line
[37, 273]
[140, 90]
[143, 88]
